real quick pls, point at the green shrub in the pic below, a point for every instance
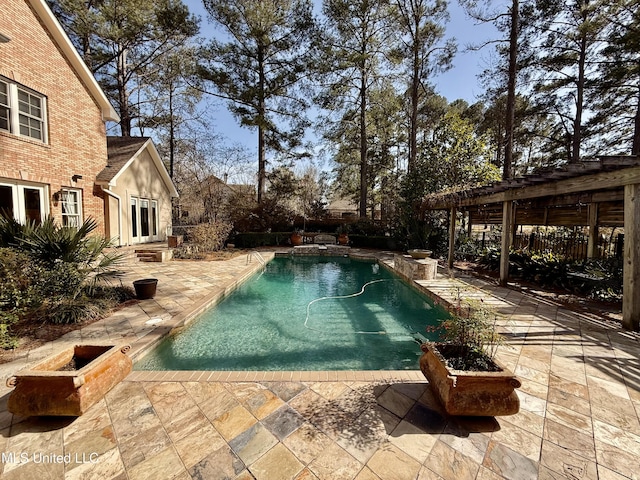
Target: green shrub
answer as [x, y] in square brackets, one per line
[254, 240]
[20, 288]
[373, 241]
[53, 273]
[7, 341]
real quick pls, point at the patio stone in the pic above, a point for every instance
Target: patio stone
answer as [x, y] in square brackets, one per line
[192, 449]
[222, 463]
[448, 462]
[253, 443]
[510, 463]
[233, 422]
[283, 422]
[566, 463]
[334, 463]
[277, 464]
[412, 440]
[577, 442]
[390, 463]
[307, 442]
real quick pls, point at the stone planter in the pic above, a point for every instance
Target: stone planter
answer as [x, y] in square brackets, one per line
[343, 239]
[145, 288]
[470, 393]
[70, 382]
[174, 241]
[419, 253]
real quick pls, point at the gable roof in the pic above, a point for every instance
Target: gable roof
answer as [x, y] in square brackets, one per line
[122, 152]
[56, 31]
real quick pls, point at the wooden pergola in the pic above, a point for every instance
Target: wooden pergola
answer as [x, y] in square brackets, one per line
[597, 193]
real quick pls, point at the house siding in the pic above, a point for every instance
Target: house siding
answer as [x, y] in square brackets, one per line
[141, 179]
[76, 132]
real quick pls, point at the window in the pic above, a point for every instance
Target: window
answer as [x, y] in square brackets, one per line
[22, 202]
[134, 218]
[4, 106]
[144, 218]
[71, 207]
[22, 111]
[154, 217]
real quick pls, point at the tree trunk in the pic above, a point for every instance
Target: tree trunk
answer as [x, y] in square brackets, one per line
[172, 133]
[577, 121]
[363, 144]
[635, 147]
[507, 171]
[123, 98]
[262, 162]
[413, 120]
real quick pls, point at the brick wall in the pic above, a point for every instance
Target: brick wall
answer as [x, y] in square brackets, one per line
[76, 133]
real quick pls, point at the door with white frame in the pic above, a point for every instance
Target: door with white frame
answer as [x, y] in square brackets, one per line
[23, 202]
[143, 220]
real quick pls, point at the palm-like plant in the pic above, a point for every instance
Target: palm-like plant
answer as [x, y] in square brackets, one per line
[51, 244]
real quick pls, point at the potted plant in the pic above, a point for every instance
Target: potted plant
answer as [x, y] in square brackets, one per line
[462, 370]
[296, 238]
[343, 235]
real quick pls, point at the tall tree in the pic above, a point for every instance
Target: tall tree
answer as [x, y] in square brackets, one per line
[420, 25]
[258, 66]
[355, 35]
[120, 40]
[508, 22]
[571, 37]
[171, 100]
[616, 96]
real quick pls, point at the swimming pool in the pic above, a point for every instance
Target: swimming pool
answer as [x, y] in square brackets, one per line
[306, 313]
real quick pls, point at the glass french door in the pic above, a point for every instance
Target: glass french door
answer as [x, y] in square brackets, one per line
[22, 202]
[143, 220]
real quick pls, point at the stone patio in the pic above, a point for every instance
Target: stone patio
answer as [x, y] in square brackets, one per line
[579, 418]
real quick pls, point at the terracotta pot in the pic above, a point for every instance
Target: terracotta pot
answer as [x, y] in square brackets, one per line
[343, 239]
[470, 393]
[296, 239]
[145, 288]
[70, 382]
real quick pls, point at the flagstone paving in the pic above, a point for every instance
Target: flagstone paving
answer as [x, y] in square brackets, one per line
[579, 417]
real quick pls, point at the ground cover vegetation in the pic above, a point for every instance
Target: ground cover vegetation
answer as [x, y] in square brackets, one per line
[54, 275]
[561, 85]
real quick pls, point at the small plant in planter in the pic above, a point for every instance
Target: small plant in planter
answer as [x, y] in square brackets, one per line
[462, 370]
[470, 339]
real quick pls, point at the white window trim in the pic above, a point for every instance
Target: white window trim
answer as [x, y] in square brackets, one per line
[14, 110]
[17, 189]
[78, 214]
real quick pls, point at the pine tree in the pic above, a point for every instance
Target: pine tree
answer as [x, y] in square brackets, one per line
[258, 65]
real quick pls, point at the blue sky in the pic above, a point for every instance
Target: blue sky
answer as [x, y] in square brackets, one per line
[459, 82]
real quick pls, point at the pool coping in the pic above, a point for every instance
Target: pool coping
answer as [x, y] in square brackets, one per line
[145, 344]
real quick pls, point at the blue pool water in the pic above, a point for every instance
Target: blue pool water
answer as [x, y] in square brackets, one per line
[306, 313]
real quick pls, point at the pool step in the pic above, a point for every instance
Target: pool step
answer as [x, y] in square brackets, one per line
[150, 255]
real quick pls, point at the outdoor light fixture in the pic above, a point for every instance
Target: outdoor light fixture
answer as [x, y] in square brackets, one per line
[76, 177]
[4, 38]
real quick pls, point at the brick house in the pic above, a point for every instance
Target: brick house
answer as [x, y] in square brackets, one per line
[53, 141]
